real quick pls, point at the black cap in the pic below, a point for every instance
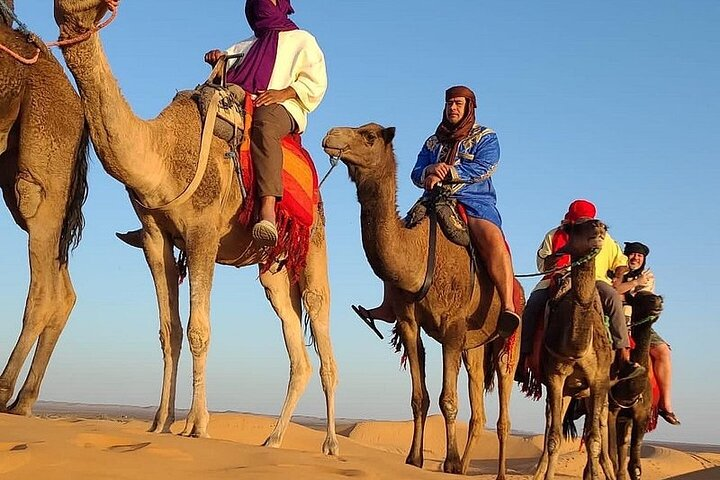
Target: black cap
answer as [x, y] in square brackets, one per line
[636, 247]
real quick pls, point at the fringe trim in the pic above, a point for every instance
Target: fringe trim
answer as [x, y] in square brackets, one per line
[397, 344]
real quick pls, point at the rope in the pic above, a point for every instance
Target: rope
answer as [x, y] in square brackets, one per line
[59, 43]
[10, 13]
[580, 261]
[83, 36]
[334, 160]
[20, 58]
[649, 318]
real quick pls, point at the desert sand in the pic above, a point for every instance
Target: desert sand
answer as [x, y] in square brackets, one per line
[68, 441]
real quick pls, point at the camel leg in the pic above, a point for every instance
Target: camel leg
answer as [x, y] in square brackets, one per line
[474, 360]
[542, 464]
[201, 267]
[607, 466]
[638, 432]
[593, 441]
[555, 401]
[410, 335]
[160, 259]
[505, 370]
[285, 300]
[316, 298]
[449, 403]
[49, 302]
[621, 437]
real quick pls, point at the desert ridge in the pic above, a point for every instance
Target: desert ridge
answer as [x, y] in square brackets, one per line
[69, 446]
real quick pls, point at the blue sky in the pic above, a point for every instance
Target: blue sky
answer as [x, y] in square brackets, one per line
[616, 102]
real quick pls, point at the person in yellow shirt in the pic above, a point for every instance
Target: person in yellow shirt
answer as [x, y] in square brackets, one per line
[609, 259]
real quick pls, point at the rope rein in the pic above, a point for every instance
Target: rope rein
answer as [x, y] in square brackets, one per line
[577, 262]
[33, 39]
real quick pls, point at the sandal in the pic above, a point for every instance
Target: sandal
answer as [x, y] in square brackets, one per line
[367, 318]
[669, 417]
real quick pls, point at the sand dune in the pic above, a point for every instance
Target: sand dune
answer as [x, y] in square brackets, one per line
[70, 446]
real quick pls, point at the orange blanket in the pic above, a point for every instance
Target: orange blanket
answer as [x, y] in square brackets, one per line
[295, 212]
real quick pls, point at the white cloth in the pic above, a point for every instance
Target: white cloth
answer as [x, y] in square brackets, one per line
[299, 64]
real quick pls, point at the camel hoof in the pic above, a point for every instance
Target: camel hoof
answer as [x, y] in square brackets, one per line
[20, 410]
[331, 447]
[417, 462]
[272, 442]
[452, 466]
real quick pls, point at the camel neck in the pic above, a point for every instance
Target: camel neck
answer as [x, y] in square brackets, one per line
[583, 308]
[122, 141]
[388, 244]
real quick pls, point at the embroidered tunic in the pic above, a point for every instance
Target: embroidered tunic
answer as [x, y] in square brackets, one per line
[476, 160]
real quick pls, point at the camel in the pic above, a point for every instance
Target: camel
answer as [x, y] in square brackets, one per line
[43, 167]
[156, 161]
[631, 401]
[460, 310]
[577, 357]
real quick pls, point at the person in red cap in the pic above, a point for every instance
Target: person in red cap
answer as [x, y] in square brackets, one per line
[609, 259]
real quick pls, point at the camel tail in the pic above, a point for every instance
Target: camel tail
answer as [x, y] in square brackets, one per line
[575, 410]
[73, 223]
[490, 367]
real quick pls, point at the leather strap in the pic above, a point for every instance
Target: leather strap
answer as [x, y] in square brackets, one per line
[430, 269]
[205, 143]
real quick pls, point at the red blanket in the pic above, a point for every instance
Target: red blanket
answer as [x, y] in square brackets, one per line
[296, 211]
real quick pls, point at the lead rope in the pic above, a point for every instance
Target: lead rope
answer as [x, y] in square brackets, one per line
[33, 39]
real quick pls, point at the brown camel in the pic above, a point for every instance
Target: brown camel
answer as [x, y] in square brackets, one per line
[631, 401]
[43, 166]
[156, 161]
[577, 357]
[460, 310]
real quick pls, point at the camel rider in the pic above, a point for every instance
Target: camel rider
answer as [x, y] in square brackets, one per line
[609, 258]
[462, 150]
[284, 69]
[641, 279]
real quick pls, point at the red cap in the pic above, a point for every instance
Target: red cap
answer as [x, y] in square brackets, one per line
[580, 209]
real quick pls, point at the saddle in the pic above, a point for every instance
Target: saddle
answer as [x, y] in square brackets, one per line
[448, 216]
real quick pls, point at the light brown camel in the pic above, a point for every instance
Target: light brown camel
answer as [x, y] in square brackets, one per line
[631, 400]
[577, 357]
[43, 166]
[460, 310]
[156, 160]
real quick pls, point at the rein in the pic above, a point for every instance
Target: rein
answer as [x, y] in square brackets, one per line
[59, 43]
[593, 253]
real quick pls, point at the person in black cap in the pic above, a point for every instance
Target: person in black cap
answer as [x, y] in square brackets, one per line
[640, 279]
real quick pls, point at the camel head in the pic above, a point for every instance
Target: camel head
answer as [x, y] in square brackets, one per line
[365, 150]
[645, 305]
[78, 16]
[584, 237]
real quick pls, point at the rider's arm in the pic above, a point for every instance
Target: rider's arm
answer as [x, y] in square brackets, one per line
[480, 161]
[425, 159]
[310, 83]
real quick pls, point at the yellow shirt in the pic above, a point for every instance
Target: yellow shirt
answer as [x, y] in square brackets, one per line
[609, 258]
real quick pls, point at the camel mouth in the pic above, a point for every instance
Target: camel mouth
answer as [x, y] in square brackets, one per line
[332, 150]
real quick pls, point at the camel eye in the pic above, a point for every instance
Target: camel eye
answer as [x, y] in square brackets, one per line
[370, 137]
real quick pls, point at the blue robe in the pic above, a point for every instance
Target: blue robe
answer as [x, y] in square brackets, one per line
[476, 159]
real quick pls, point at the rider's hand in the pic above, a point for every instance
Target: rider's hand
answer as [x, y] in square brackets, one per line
[439, 169]
[112, 5]
[642, 280]
[430, 181]
[269, 97]
[211, 57]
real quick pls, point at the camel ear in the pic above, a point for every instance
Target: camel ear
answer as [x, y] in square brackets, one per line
[388, 134]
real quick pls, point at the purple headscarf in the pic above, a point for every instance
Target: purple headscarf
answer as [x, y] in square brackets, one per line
[267, 21]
